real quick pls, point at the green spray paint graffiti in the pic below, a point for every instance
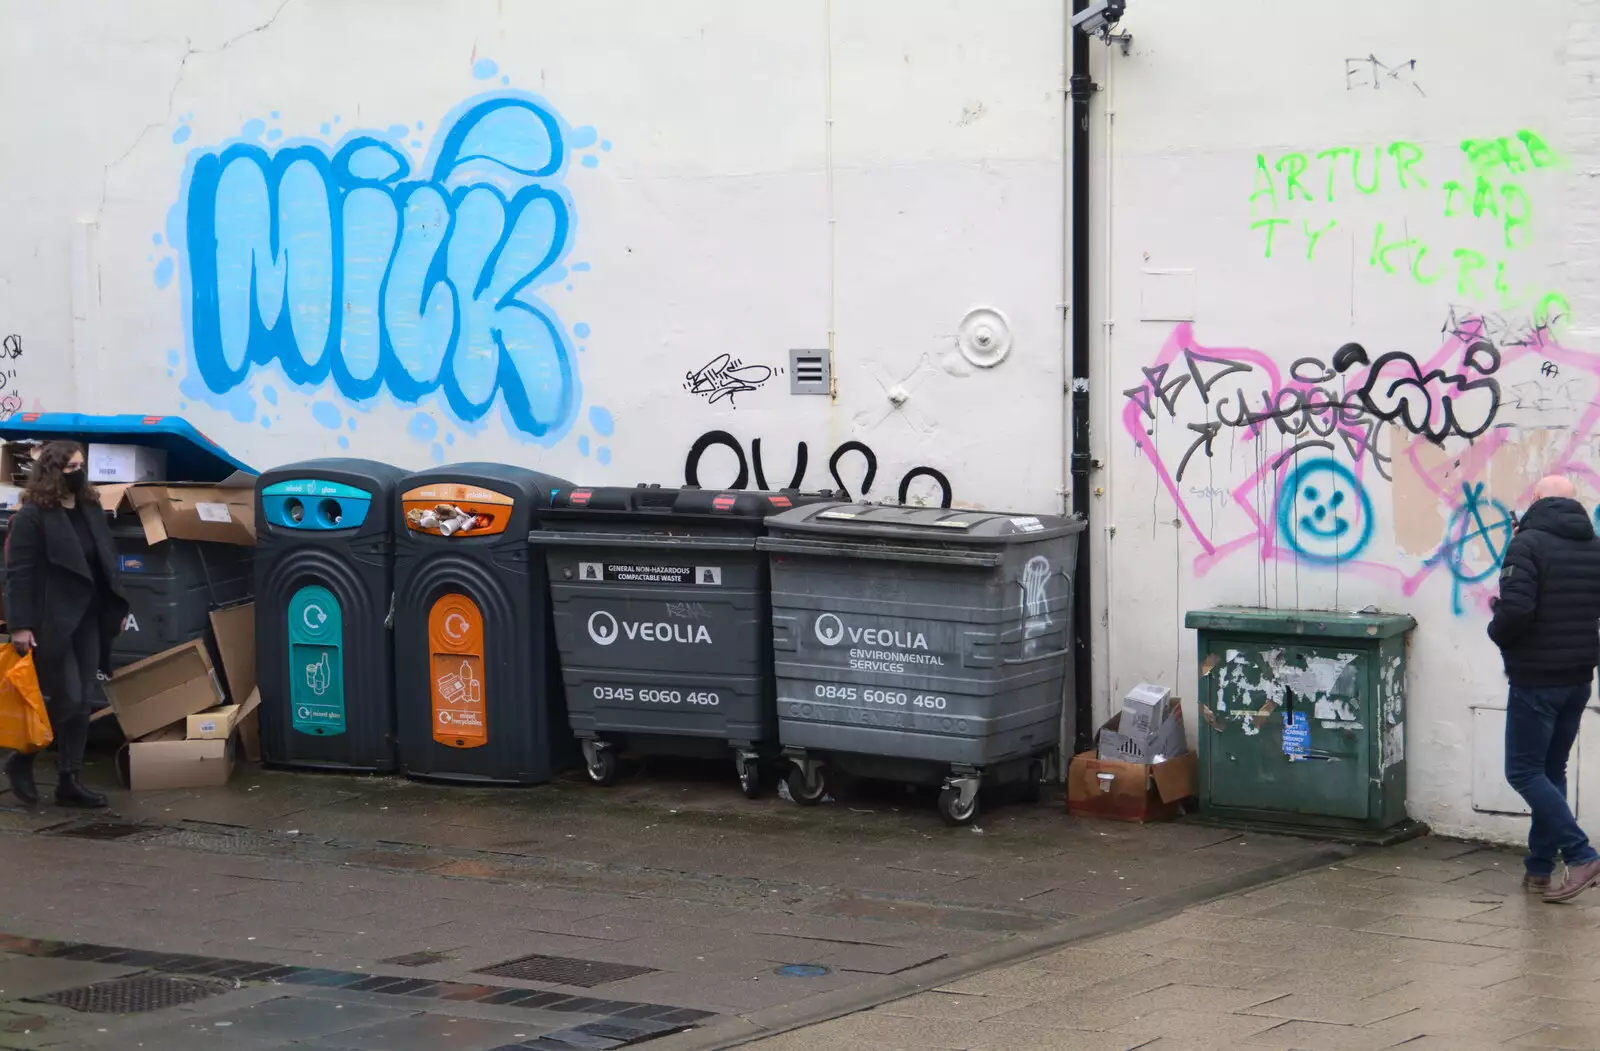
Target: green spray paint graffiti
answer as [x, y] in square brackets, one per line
[1297, 199]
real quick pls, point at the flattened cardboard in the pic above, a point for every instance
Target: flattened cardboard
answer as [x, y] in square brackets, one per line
[165, 689]
[219, 724]
[223, 512]
[250, 729]
[166, 760]
[234, 629]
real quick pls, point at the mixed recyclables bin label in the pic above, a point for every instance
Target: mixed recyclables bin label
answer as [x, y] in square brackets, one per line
[455, 647]
[316, 662]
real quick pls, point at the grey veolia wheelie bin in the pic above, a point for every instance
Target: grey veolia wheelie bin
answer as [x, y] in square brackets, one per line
[922, 645]
[662, 621]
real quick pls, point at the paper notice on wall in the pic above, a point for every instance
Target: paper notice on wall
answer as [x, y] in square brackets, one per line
[210, 512]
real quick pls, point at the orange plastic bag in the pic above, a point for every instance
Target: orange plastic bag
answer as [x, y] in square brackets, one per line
[24, 723]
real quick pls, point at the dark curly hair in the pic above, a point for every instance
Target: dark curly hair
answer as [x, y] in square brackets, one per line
[46, 487]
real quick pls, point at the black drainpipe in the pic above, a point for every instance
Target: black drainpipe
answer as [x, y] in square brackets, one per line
[1080, 89]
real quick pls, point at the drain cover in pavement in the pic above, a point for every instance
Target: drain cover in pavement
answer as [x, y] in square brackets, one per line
[102, 830]
[133, 995]
[564, 970]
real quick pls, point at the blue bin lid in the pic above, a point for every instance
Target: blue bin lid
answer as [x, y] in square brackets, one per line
[191, 456]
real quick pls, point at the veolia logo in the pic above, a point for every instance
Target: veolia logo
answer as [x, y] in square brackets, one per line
[831, 631]
[604, 628]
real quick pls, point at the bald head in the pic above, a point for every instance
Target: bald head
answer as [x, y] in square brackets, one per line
[1554, 485]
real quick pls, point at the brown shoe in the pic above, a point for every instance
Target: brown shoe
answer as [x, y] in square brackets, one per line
[1535, 884]
[1579, 879]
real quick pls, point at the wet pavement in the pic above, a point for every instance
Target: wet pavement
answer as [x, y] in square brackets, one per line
[318, 911]
[1428, 946]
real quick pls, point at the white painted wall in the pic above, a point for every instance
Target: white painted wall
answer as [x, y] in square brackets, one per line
[1202, 94]
[712, 213]
[744, 179]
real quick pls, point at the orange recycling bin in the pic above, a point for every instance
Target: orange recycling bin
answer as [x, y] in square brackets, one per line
[477, 686]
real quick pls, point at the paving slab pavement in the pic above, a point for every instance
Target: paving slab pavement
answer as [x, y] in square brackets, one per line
[1427, 945]
[706, 895]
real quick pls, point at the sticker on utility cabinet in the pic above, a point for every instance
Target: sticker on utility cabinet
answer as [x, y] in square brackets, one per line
[1296, 735]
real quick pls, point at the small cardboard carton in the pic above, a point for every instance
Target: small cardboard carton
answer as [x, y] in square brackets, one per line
[219, 724]
[125, 463]
[165, 759]
[1132, 791]
[159, 691]
[1145, 708]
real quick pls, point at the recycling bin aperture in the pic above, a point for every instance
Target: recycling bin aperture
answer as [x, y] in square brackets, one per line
[324, 576]
[663, 622]
[477, 687]
[921, 645]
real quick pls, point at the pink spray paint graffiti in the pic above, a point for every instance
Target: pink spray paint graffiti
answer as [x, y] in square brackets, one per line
[1318, 435]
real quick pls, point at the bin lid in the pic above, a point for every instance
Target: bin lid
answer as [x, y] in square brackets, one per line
[923, 525]
[191, 456]
[661, 503]
[1258, 620]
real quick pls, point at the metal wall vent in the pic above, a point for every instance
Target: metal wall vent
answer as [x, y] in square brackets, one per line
[808, 372]
[134, 995]
[564, 970]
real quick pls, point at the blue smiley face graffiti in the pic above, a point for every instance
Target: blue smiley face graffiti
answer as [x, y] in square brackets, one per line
[1324, 512]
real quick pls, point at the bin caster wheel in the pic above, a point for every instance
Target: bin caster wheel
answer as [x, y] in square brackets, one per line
[802, 793]
[750, 778]
[602, 769]
[951, 810]
[1033, 787]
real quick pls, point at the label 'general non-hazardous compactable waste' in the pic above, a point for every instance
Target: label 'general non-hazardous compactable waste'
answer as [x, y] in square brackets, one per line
[920, 644]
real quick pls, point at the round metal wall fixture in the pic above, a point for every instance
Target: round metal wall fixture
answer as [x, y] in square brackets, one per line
[984, 337]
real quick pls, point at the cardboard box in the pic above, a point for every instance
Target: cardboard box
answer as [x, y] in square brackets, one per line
[1168, 740]
[1144, 709]
[1134, 791]
[223, 511]
[166, 760]
[219, 724]
[165, 689]
[1131, 791]
[125, 463]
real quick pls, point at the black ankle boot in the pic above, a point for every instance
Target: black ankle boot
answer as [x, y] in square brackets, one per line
[19, 771]
[70, 792]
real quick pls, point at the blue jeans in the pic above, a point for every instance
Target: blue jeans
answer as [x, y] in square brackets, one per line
[1541, 727]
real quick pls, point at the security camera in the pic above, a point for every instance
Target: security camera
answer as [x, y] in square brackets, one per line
[1098, 17]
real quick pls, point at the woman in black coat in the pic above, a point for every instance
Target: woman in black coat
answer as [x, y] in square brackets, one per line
[63, 602]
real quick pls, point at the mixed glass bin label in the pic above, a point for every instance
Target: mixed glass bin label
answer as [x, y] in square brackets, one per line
[315, 504]
[316, 662]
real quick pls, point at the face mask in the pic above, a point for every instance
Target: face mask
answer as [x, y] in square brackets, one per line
[74, 479]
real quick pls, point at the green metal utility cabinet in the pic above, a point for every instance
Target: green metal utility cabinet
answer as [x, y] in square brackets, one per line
[1303, 720]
